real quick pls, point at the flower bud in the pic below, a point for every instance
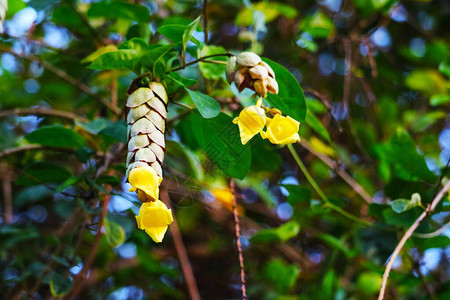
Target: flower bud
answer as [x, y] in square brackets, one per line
[249, 71]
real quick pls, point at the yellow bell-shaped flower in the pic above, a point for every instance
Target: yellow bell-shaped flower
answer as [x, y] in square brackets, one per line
[251, 121]
[282, 130]
[154, 218]
[145, 180]
[225, 197]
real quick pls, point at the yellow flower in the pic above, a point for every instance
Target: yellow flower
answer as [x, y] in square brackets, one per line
[251, 120]
[145, 180]
[154, 218]
[282, 130]
[225, 197]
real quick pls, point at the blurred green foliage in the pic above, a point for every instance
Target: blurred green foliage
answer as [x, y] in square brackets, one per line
[367, 79]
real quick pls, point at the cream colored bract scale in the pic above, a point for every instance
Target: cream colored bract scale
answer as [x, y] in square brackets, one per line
[146, 121]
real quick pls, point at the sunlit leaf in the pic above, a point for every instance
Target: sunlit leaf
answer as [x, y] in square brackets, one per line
[207, 106]
[56, 136]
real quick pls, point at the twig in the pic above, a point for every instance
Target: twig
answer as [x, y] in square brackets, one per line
[7, 193]
[321, 193]
[201, 59]
[42, 111]
[81, 277]
[373, 64]
[334, 165]
[181, 249]
[238, 240]
[319, 96]
[20, 149]
[348, 64]
[63, 75]
[431, 234]
[430, 208]
[205, 20]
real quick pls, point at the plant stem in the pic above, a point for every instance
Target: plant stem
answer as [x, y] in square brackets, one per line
[201, 59]
[321, 193]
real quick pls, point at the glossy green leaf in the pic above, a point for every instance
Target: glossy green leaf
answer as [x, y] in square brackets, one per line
[91, 57]
[189, 31]
[408, 164]
[209, 70]
[282, 233]
[318, 25]
[175, 34]
[120, 59]
[114, 233]
[39, 172]
[60, 285]
[56, 136]
[119, 10]
[427, 81]
[219, 138]
[290, 99]
[137, 44]
[439, 100]
[281, 275]
[154, 55]
[207, 106]
[317, 126]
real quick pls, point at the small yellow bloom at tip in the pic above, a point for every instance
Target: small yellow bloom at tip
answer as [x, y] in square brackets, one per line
[154, 218]
[251, 120]
[145, 180]
[282, 130]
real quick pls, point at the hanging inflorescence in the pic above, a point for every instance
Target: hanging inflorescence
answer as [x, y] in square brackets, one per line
[146, 119]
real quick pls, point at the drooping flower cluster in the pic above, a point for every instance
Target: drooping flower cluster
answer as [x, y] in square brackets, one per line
[280, 130]
[247, 70]
[146, 119]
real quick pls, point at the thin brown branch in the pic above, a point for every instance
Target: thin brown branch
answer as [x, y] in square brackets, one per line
[181, 249]
[78, 281]
[66, 77]
[41, 111]
[430, 208]
[348, 65]
[205, 20]
[7, 193]
[9, 151]
[201, 59]
[371, 55]
[344, 175]
[238, 240]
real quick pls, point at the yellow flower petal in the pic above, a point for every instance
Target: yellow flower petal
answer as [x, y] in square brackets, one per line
[251, 120]
[154, 218]
[225, 197]
[144, 179]
[282, 130]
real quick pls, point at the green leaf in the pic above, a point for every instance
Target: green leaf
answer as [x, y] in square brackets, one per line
[368, 283]
[94, 126]
[318, 25]
[114, 233]
[428, 81]
[119, 10]
[439, 99]
[117, 131]
[13, 7]
[91, 57]
[209, 70]
[154, 55]
[297, 194]
[317, 126]
[60, 285]
[408, 164]
[120, 59]
[56, 136]
[175, 34]
[207, 106]
[43, 172]
[281, 275]
[282, 233]
[271, 11]
[189, 31]
[66, 16]
[401, 205]
[175, 81]
[337, 243]
[440, 241]
[290, 99]
[444, 67]
[137, 44]
[220, 140]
